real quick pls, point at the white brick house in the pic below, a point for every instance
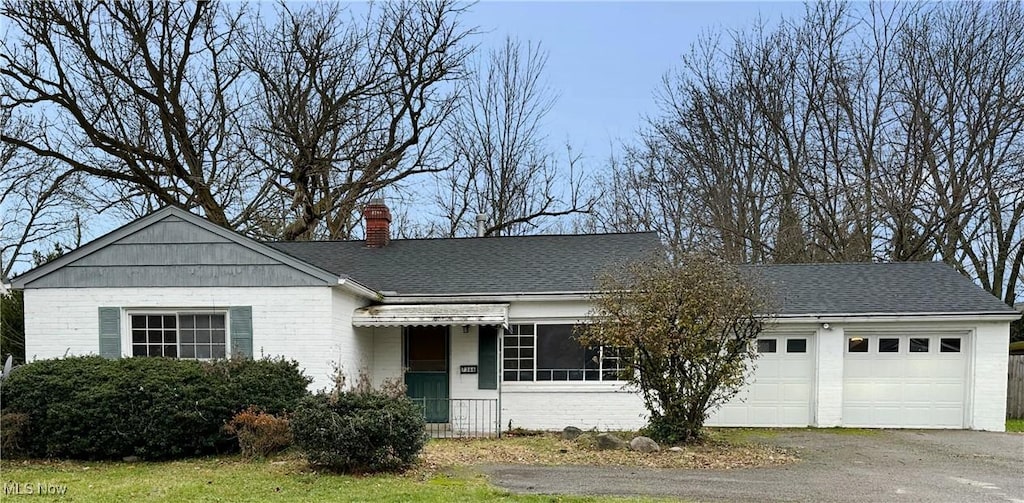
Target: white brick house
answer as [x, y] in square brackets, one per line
[869, 345]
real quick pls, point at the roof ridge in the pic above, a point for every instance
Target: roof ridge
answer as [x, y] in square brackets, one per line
[470, 238]
[894, 262]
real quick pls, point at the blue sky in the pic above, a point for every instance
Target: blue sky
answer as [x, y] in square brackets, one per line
[606, 59]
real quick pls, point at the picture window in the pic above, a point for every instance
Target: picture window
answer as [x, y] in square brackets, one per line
[200, 336]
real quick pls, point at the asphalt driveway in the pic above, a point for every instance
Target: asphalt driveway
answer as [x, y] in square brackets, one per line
[884, 466]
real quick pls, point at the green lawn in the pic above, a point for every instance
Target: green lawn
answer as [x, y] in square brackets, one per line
[1015, 425]
[232, 479]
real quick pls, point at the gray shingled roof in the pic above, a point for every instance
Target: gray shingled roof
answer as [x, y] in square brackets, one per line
[521, 264]
[901, 287]
[569, 263]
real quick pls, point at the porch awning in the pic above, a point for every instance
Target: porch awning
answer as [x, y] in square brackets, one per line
[396, 315]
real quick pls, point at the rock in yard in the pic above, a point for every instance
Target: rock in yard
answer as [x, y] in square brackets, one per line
[571, 432]
[130, 459]
[644, 444]
[608, 441]
[676, 449]
[586, 441]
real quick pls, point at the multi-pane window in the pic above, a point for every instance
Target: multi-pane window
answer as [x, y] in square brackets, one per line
[552, 353]
[155, 335]
[179, 335]
[202, 336]
[518, 353]
[771, 345]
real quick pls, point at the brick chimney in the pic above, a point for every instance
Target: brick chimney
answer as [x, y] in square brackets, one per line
[378, 223]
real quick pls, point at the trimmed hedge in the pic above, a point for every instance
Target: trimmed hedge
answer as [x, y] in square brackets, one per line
[153, 408]
[359, 432]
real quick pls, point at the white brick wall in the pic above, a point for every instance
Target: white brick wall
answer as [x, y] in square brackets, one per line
[355, 345]
[292, 322]
[387, 353]
[313, 325]
[553, 406]
[465, 351]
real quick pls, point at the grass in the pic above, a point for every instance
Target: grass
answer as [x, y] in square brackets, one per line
[1015, 425]
[444, 473]
[285, 478]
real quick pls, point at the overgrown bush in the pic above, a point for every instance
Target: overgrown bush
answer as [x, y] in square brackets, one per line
[154, 408]
[12, 432]
[259, 434]
[367, 431]
[275, 385]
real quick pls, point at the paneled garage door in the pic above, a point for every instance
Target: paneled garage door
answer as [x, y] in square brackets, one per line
[905, 380]
[779, 393]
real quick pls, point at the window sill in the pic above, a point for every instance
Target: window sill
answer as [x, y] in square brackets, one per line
[565, 386]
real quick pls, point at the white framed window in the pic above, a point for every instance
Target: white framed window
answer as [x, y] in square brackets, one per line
[767, 345]
[186, 334]
[920, 345]
[550, 352]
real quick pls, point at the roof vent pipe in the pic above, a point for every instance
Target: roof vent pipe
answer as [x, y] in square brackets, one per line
[481, 225]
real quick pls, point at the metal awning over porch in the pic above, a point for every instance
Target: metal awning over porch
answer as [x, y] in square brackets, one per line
[397, 315]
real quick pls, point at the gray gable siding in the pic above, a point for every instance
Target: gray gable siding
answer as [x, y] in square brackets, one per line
[173, 231]
[172, 252]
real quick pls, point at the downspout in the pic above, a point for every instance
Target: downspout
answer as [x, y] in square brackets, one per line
[501, 373]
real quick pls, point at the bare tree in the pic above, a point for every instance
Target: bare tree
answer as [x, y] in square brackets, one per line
[134, 95]
[347, 106]
[35, 198]
[962, 86]
[503, 166]
[273, 128]
[685, 330]
[876, 132]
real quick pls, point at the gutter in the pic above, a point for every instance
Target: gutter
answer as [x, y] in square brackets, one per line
[356, 288]
[893, 317]
[394, 298]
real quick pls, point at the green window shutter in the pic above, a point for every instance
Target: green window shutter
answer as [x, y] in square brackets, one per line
[241, 331]
[110, 332]
[487, 358]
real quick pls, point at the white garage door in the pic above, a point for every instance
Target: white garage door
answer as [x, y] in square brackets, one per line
[779, 392]
[905, 380]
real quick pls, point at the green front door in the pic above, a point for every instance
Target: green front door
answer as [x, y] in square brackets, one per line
[426, 376]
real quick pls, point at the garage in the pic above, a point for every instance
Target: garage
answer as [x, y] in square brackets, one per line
[779, 393]
[905, 380]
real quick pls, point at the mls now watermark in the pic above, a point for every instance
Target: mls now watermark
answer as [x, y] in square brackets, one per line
[12, 488]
